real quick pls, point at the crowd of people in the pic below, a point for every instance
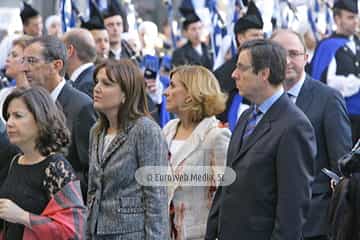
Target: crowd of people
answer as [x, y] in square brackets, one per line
[84, 112]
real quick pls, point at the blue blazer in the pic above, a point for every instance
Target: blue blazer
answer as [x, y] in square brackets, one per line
[270, 197]
[85, 81]
[326, 110]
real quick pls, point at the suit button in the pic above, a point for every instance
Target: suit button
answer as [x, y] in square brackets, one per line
[357, 64]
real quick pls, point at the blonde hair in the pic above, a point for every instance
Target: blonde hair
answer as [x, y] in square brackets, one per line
[204, 89]
[22, 41]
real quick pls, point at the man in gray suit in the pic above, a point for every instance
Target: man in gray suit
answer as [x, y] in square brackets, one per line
[326, 110]
[272, 152]
[44, 65]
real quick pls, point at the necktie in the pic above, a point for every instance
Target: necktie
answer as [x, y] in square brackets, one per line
[292, 97]
[251, 123]
[111, 55]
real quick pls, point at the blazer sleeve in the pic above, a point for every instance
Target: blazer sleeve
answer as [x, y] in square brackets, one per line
[294, 174]
[337, 129]
[153, 151]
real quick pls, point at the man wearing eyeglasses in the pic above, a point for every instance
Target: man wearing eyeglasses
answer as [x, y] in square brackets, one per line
[326, 110]
[272, 152]
[44, 65]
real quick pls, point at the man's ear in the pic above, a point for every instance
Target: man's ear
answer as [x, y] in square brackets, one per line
[264, 74]
[70, 50]
[58, 65]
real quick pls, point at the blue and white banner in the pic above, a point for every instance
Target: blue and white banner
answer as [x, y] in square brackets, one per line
[68, 13]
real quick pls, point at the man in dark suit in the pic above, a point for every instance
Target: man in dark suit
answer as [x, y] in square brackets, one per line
[115, 23]
[272, 152]
[248, 27]
[81, 52]
[194, 52]
[326, 109]
[44, 61]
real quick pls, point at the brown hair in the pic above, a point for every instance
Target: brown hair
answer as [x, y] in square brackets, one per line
[53, 136]
[204, 90]
[132, 84]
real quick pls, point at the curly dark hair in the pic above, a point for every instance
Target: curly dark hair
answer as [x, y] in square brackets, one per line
[54, 136]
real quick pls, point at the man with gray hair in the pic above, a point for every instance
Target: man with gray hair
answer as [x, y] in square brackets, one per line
[326, 110]
[81, 52]
[44, 65]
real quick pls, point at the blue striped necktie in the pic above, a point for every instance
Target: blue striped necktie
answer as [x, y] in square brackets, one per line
[251, 123]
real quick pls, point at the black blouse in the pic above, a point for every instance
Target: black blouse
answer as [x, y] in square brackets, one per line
[32, 186]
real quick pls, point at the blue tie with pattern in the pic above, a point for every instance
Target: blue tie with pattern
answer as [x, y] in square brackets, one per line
[251, 123]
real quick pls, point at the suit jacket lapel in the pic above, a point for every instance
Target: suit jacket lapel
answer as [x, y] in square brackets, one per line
[192, 54]
[236, 138]
[305, 96]
[263, 127]
[115, 143]
[63, 99]
[191, 144]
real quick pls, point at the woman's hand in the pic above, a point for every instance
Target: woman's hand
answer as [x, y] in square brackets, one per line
[11, 212]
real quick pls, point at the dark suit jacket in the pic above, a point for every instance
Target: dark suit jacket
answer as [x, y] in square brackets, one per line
[326, 110]
[271, 193]
[126, 52]
[188, 55]
[80, 117]
[85, 81]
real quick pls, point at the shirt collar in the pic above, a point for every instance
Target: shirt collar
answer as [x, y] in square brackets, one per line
[79, 70]
[56, 92]
[295, 90]
[266, 105]
[116, 52]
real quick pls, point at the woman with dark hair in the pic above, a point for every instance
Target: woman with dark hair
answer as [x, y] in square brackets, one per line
[123, 140]
[40, 198]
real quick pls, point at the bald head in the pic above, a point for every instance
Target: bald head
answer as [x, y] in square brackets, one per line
[296, 55]
[81, 43]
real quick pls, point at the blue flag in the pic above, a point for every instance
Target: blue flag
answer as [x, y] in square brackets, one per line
[68, 13]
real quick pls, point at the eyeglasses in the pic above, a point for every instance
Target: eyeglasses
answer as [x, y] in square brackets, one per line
[294, 53]
[243, 67]
[30, 60]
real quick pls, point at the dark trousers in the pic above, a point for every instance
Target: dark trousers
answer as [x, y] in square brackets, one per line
[317, 238]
